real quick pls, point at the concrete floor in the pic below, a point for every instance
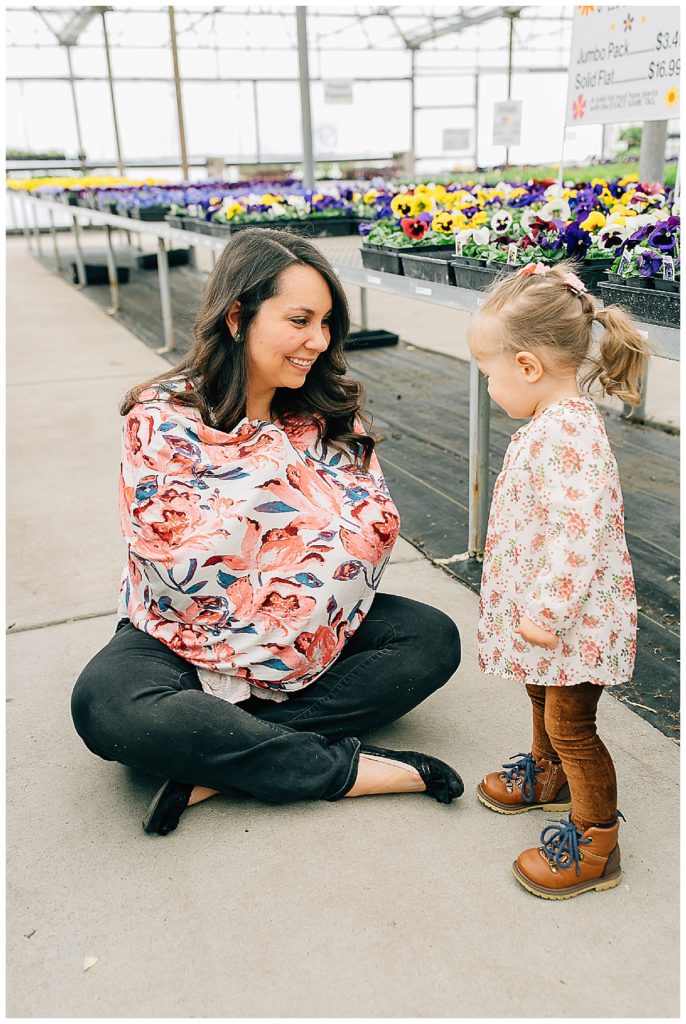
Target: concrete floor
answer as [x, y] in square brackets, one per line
[377, 907]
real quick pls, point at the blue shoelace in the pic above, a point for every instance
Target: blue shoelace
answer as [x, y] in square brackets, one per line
[564, 842]
[523, 771]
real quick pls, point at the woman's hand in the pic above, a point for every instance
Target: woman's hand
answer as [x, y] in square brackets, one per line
[533, 634]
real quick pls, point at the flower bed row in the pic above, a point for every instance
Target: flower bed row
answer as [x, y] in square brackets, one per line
[625, 237]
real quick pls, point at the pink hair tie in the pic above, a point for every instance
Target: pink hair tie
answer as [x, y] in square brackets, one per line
[576, 286]
[533, 268]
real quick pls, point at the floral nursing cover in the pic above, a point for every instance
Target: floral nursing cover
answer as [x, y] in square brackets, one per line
[556, 553]
[255, 553]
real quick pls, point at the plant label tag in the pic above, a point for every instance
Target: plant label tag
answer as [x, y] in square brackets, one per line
[627, 256]
[373, 280]
[668, 268]
[422, 291]
[459, 245]
[511, 254]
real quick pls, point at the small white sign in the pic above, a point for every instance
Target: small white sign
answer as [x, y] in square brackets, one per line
[507, 123]
[456, 140]
[420, 290]
[338, 90]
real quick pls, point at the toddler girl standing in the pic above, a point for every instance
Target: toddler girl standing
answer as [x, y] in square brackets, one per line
[558, 606]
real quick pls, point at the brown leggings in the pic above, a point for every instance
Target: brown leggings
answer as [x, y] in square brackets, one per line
[565, 730]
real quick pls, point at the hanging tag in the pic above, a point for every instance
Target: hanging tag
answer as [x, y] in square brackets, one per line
[511, 253]
[667, 268]
[624, 262]
[459, 245]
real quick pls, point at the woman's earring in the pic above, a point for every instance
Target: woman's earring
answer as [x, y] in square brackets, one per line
[237, 337]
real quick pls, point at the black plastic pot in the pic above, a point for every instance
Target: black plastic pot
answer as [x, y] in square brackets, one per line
[479, 276]
[176, 222]
[97, 273]
[388, 259]
[158, 212]
[592, 272]
[203, 227]
[437, 268]
[175, 258]
[370, 339]
[661, 285]
[651, 305]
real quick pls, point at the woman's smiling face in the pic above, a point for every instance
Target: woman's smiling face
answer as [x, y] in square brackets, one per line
[290, 331]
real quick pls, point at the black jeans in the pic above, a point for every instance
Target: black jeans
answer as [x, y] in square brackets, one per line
[139, 703]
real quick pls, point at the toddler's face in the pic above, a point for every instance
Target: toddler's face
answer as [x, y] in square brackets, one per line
[509, 383]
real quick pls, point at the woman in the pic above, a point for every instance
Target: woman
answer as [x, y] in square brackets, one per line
[252, 649]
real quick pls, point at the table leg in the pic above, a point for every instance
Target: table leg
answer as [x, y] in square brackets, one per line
[479, 439]
[165, 297]
[80, 268]
[112, 273]
[53, 232]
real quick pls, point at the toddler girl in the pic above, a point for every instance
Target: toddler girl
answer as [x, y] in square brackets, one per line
[558, 606]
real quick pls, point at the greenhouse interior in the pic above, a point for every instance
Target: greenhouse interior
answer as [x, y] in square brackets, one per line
[476, 212]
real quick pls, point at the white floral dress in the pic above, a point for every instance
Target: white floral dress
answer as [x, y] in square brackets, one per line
[556, 553]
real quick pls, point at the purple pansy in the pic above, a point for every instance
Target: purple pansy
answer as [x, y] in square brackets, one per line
[664, 235]
[649, 263]
[577, 241]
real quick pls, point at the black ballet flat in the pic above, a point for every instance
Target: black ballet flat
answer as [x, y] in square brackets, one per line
[441, 781]
[166, 807]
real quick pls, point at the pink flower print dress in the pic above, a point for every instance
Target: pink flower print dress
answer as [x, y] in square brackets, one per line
[556, 553]
[254, 555]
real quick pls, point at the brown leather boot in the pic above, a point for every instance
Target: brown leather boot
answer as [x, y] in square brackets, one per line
[524, 785]
[569, 861]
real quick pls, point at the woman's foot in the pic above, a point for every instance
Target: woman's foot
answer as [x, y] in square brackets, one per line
[405, 771]
[169, 803]
[524, 785]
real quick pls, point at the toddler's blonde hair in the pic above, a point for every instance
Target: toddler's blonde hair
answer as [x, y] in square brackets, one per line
[540, 311]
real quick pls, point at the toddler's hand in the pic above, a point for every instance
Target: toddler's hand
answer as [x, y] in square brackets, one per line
[533, 634]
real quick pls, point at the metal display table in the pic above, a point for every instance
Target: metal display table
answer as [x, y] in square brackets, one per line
[347, 265]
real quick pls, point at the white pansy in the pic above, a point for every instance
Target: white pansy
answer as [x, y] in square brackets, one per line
[554, 191]
[501, 220]
[482, 236]
[555, 208]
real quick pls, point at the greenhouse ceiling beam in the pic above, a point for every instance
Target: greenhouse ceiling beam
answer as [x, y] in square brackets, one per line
[498, 69]
[70, 32]
[462, 22]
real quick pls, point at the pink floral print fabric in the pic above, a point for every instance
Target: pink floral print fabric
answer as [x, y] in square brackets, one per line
[556, 553]
[254, 554]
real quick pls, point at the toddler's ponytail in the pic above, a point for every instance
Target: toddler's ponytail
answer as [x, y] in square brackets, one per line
[623, 360]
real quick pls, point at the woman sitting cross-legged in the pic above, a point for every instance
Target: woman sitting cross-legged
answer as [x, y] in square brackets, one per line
[252, 649]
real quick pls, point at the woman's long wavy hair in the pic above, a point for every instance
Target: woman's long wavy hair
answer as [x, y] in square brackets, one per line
[248, 271]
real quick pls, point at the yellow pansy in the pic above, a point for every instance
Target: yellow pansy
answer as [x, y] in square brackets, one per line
[268, 199]
[444, 223]
[370, 196]
[627, 178]
[232, 209]
[423, 204]
[594, 220]
[478, 219]
[404, 205]
[599, 181]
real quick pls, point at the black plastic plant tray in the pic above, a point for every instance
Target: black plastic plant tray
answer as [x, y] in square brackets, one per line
[437, 268]
[479, 277]
[175, 258]
[370, 339]
[648, 304]
[388, 260]
[149, 212]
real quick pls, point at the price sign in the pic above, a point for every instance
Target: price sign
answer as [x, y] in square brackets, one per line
[625, 65]
[507, 123]
[338, 90]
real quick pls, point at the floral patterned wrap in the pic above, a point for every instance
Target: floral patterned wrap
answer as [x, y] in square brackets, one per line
[254, 554]
[556, 553]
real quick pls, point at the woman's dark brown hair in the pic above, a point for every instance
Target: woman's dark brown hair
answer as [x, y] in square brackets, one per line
[248, 270]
